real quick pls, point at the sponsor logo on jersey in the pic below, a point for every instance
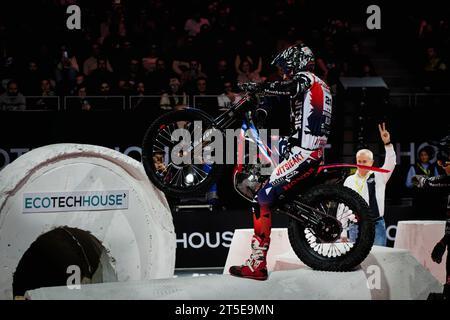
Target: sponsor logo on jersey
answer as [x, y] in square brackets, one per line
[297, 180]
[289, 164]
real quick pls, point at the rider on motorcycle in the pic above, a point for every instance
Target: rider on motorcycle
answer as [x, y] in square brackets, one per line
[311, 105]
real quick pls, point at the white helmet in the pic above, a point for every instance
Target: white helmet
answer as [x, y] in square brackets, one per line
[296, 58]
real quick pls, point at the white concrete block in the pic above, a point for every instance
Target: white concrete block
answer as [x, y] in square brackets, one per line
[240, 247]
[420, 237]
[139, 239]
[386, 274]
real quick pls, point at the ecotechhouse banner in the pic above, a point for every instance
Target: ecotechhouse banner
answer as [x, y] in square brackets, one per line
[75, 201]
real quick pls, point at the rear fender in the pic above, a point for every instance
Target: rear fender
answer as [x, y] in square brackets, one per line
[336, 173]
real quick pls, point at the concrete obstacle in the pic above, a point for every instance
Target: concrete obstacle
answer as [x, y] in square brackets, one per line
[419, 238]
[72, 213]
[386, 274]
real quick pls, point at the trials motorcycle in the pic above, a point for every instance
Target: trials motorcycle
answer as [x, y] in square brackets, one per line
[321, 210]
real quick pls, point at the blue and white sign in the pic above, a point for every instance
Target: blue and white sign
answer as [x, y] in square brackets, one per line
[75, 201]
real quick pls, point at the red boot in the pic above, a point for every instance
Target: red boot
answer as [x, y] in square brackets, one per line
[255, 267]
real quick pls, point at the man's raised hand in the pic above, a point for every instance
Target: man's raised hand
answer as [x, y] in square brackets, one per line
[385, 136]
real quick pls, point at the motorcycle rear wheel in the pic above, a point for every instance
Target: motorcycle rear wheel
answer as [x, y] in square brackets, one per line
[334, 255]
[182, 179]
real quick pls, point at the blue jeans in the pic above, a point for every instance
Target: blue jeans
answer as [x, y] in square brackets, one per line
[380, 233]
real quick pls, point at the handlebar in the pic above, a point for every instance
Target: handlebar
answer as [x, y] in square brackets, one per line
[229, 116]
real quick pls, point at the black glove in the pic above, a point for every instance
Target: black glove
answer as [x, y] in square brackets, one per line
[250, 86]
[438, 252]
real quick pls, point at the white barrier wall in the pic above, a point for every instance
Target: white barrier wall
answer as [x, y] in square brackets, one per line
[90, 188]
[420, 237]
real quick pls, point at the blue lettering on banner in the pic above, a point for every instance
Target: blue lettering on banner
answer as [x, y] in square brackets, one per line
[34, 203]
[75, 201]
[111, 200]
[103, 203]
[28, 203]
[47, 203]
[95, 201]
[86, 201]
[119, 199]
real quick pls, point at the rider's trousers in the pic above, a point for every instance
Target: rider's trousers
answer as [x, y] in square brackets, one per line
[297, 166]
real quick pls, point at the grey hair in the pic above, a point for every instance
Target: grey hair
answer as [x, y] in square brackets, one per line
[367, 152]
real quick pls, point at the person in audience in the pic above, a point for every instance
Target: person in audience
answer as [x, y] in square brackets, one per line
[12, 99]
[175, 95]
[434, 70]
[228, 97]
[91, 63]
[425, 204]
[139, 100]
[189, 73]
[32, 79]
[82, 104]
[194, 24]
[46, 88]
[202, 99]
[100, 75]
[219, 75]
[66, 69]
[372, 186]
[246, 74]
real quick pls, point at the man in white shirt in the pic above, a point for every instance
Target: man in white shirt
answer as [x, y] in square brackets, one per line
[372, 185]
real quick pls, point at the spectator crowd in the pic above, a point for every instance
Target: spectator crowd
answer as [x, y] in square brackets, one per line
[171, 49]
[178, 49]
